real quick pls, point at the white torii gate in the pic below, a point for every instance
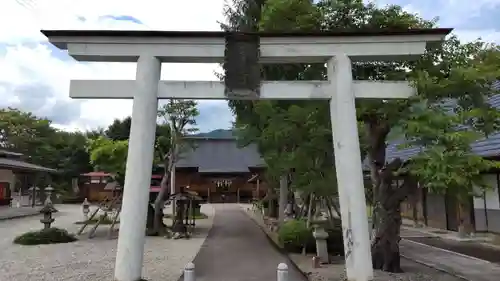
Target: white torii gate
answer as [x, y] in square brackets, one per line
[151, 48]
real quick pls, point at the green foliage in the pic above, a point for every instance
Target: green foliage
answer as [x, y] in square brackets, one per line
[51, 235]
[119, 129]
[289, 16]
[25, 133]
[69, 155]
[179, 120]
[109, 156]
[293, 234]
[295, 137]
[44, 145]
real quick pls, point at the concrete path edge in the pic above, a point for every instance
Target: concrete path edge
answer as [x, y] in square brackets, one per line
[451, 272]
[19, 216]
[276, 246]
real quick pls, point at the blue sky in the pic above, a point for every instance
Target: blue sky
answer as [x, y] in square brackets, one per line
[35, 76]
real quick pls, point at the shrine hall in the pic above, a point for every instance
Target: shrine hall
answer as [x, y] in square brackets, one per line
[218, 169]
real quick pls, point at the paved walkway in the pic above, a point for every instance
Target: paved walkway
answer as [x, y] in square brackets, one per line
[468, 268]
[236, 249]
[447, 255]
[7, 213]
[472, 249]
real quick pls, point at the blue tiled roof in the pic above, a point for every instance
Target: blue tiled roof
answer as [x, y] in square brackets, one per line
[485, 147]
[220, 155]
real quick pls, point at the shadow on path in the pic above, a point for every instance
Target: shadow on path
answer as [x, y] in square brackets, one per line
[236, 249]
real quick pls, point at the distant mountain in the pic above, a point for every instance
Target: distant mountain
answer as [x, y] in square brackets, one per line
[217, 134]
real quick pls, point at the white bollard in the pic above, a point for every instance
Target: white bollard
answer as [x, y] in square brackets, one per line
[282, 272]
[189, 272]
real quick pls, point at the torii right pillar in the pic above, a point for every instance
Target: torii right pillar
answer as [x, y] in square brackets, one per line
[349, 171]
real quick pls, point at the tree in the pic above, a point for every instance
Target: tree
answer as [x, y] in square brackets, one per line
[452, 73]
[27, 134]
[44, 145]
[178, 116]
[95, 134]
[119, 129]
[69, 156]
[110, 156]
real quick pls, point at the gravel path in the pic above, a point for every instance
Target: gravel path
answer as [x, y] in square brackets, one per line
[90, 260]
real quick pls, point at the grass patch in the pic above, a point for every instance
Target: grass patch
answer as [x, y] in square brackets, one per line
[106, 220]
[51, 235]
[198, 216]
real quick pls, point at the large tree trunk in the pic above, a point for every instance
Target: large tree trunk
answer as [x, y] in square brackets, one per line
[158, 226]
[283, 199]
[385, 245]
[414, 209]
[377, 132]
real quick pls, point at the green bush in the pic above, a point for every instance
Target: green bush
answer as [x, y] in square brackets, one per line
[335, 241]
[293, 235]
[51, 235]
[264, 204]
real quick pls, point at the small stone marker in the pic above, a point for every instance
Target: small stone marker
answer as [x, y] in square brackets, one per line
[189, 274]
[315, 262]
[282, 272]
[321, 247]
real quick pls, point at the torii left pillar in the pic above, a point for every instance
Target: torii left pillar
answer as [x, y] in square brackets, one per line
[130, 253]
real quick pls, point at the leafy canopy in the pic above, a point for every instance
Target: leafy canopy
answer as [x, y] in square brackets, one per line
[110, 156]
[456, 72]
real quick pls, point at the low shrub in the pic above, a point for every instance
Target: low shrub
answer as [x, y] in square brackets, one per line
[293, 235]
[51, 235]
[264, 204]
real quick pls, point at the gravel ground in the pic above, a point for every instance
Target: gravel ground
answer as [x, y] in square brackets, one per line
[90, 260]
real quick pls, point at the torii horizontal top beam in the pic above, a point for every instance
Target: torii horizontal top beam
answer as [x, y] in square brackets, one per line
[208, 47]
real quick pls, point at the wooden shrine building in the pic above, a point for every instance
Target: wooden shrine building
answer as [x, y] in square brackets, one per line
[221, 171]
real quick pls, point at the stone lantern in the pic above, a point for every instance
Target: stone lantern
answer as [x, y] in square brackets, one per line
[48, 209]
[47, 212]
[48, 193]
[321, 245]
[85, 209]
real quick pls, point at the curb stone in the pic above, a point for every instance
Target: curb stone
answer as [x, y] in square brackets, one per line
[18, 216]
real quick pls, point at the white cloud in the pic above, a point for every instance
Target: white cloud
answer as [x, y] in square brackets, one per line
[28, 60]
[36, 77]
